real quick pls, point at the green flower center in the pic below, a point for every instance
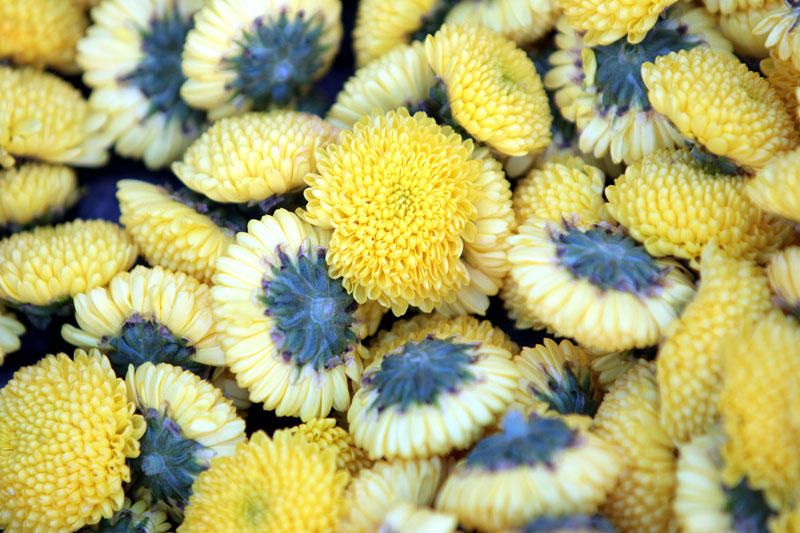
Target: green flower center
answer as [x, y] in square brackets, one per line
[40, 316]
[313, 314]
[433, 19]
[560, 524]
[608, 259]
[279, 58]
[159, 75]
[619, 64]
[420, 372]
[748, 508]
[169, 462]
[715, 164]
[143, 340]
[570, 392]
[522, 442]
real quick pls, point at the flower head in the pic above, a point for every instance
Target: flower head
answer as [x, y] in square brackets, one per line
[604, 23]
[688, 86]
[524, 21]
[248, 54]
[559, 467]
[493, 90]
[10, 332]
[149, 314]
[596, 284]
[282, 485]
[33, 194]
[325, 434]
[255, 156]
[63, 452]
[775, 187]
[779, 25]
[290, 332]
[784, 277]
[44, 117]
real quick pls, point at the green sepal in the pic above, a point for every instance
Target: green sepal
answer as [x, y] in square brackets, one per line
[40, 316]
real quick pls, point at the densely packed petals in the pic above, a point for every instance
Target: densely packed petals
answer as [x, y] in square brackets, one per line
[775, 187]
[606, 22]
[33, 194]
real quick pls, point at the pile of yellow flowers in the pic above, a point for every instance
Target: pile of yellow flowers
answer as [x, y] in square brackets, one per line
[536, 269]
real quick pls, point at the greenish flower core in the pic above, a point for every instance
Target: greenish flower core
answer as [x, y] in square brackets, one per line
[142, 340]
[40, 316]
[159, 75]
[420, 372]
[570, 391]
[279, 58]
[312, 312]
[609, 259]
[748, 508]
[433, 19]
[561, 524]
[531, 442]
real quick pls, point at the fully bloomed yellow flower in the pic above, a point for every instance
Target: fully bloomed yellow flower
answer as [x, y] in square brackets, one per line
[251, 54]
[605, 22]
[628, 419]
[255, 156]
[678, 201]
[779, 25]
[750, 128]
[66, 430]
[760, 406]
[41, 33]
[535, 466]
[596, 284]
[784, 277]
[419, 218]
[35, 193]
[281, 485]
[324, 434]
[775, 187]
[149, 314]
[290, 332]
[10, 332]
[44, 117]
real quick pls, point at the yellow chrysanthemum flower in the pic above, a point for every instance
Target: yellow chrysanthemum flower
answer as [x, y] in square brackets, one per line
[10, 332]
[760, 406]
[731, 292]
[188, 423]
[493, 90]
[44, 117]
[704, 502]
[535, 466]
[596, 285]
[776, 187]
[405, 404]
[140, 516]
[148, 315]
[255, 156]
[729, 6]
[131, 58]
[557, 379]
[170, 231]
[290, 333]
[41, 33]
[324, 434]
[42, 269]
[66, 430]
[739, 27]
[33, 194]
[678, 201]
[784, 277]
[628, 419]
[250, 54]
[784, 78]
[402, 238]
[524, 21]
[688, 86]
[565, 189]
[378, 490]
[408, 518]
[779, 25]
[282, 485]
[605, 22]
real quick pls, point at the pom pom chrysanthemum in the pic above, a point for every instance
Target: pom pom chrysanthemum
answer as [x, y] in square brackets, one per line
[63, 452]
[776, 187]
[10, 332]
[606, 22]
[324, 434]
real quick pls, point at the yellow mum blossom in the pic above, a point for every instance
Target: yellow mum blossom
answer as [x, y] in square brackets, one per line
[739, 27]
[255, 156]
[784, 277]
[779, 27]
[596, 284]
[281, 485]
[324, 434]
[524, 21]
[783, 76]
[148, 314]
[35, 193]
[678, 201]
[559, 467]
[606, 22]
[378, 490]
[10, 332]
[170, 231]
[751, 127]
[775, 187]
[400, 237]
[44, 117]
[492, 87]
[290, 333]
[760, 406]
[731, 292]
[63, 453]
[41, 33]
[628, 419]
[730, 6]
[251, 54]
